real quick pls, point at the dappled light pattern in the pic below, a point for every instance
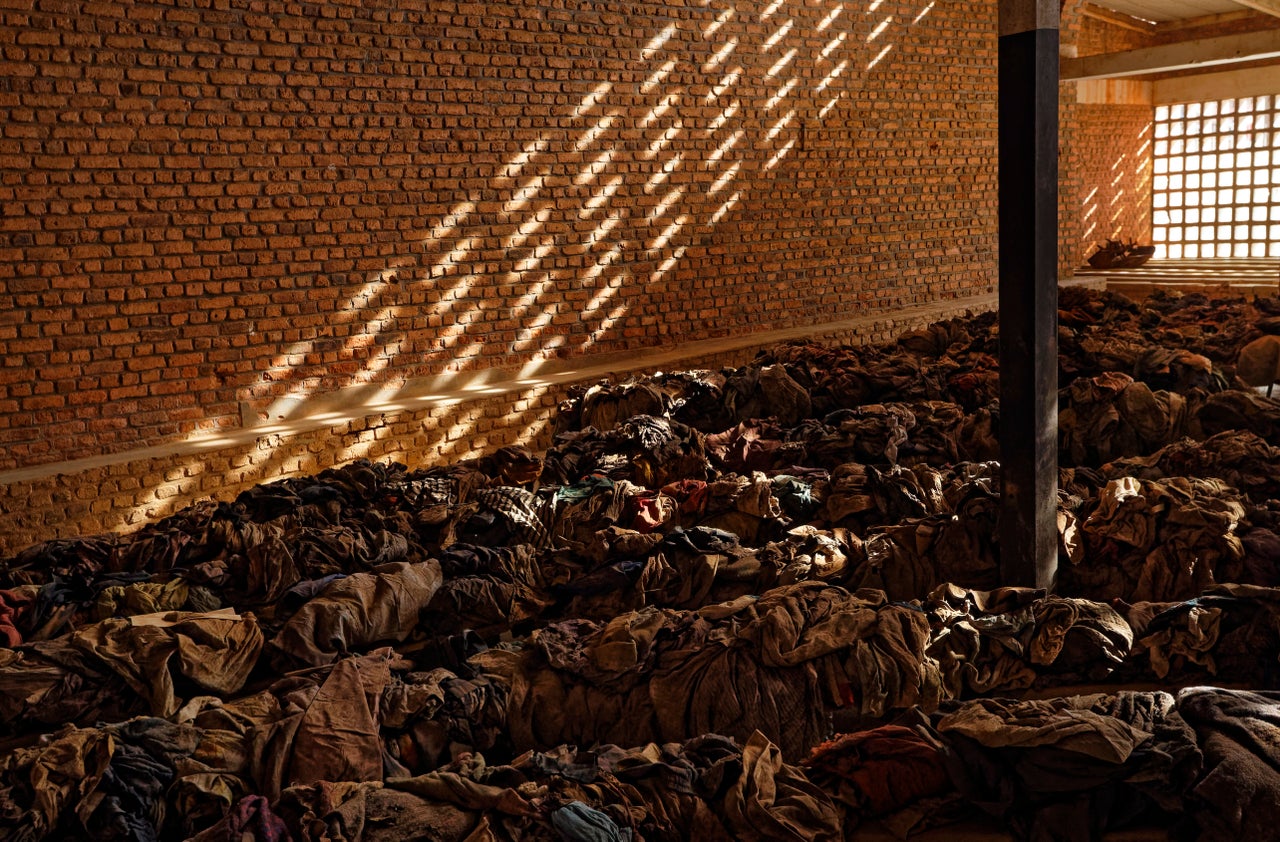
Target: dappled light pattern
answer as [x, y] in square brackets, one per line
[570, 230]
[1127, 179]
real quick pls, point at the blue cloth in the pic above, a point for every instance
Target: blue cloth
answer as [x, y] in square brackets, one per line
[576, 822]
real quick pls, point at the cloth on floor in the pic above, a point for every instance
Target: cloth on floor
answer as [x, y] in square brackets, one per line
[647, 450]
[1070, 768]
[878, 771]
[605, 405]
[1229, 633]
[755, 445]
[507, 515]
[765, 392]
[1016, 638]
[126, 666]
[780, 662]
[249, 820]
[1110, 417]
[358, 612]
[76, 560]
[1239, 458]
[1157, 540]
[143, 779]
[488, 589]
[15, 607]
[372, 812]
[429, 718]
[871, 434]
[1236, 798]
[1240, 410]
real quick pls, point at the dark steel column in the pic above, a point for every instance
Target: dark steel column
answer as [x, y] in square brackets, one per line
[1028, 78]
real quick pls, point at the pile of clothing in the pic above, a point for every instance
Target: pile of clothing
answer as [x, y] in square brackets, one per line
[759, 603]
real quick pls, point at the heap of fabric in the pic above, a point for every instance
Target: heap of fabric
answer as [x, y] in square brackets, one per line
[704, 788]
[1067, 768]
[726, 569]
[1157, 540]
[779, 663]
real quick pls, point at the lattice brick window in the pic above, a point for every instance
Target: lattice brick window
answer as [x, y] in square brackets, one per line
[1216, 191]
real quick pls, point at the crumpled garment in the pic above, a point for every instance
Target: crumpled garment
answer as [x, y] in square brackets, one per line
[141, 598]
[1239, 458]
[591, 504]
[15, 606]
[507, 515]
[252, 563]
[1259, 362]
[577, 822]
[742, 505]
[344, 548]
[1229, 633]
[755, 445]
[704, 788]
[215, 651]
[1148, 540]
[1070, 768]
[336, 738]
[646, 450]
[360, 611]
[511, 465]
[772, 800]
[1021, 638]
[1110, 416]
[127, 781]
[76, 560]
[1236, 797]
[1240, 410]
[371, 812]
[996, 723]
[878, 771]
[488, 589]
[870, 434]
[362, 718]
[428, 718]
[605, 405]
[766, 392]
[249, 820]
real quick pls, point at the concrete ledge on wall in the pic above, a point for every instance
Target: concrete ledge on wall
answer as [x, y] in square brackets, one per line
[428, 422]
[355, 404]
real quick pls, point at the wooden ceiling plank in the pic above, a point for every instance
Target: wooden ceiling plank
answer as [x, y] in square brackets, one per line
[1120, 19]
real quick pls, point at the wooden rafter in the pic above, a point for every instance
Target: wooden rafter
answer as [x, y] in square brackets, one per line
[1271, 7]
[1184, 55]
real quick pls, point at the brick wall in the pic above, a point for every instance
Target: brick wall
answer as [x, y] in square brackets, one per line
[1115, 146]
[213, 211]
[1105, 151]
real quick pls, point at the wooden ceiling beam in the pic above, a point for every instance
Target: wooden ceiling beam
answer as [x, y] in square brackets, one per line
[1184, 55]
[1172, 27]
[1270, 7]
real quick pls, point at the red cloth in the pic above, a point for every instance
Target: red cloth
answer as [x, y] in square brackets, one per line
[14, 606]
[883, 769]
